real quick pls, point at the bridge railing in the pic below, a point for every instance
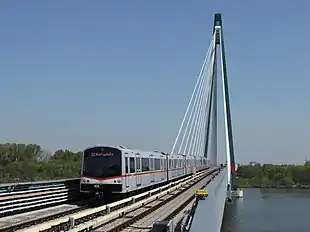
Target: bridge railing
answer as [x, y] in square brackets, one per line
[24, 196]
[209, 212]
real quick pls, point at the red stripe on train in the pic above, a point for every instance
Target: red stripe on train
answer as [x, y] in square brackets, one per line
[130, 174]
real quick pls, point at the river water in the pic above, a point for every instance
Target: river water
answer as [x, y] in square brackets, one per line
[269, 210]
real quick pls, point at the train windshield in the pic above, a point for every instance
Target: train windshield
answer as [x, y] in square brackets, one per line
[102, 162]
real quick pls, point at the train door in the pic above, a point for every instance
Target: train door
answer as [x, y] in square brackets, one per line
[127, 170]
[194, 165]
[138, 170]
[185, 165]
[162, 167]
[167, 166]
[152, 169]
[180, 171]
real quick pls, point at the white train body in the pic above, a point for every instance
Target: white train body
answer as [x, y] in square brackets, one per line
[120, 170]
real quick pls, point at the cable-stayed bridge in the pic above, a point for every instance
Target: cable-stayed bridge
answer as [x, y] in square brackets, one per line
[197, 136]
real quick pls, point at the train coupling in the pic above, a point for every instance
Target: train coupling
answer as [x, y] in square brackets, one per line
[201, 194]
[99, 195]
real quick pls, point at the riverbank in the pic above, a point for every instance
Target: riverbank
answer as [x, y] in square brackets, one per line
[274, 176]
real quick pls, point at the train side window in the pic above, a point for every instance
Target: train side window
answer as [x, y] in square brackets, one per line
[132, 165]
[157, 164]
[170, 164]
[138, 163]
[126, 165]
[145, 164]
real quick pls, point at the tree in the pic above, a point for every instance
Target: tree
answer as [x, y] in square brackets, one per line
[269, 175]
[27, 162]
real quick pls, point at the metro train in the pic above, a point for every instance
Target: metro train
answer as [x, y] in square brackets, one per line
[118, 170]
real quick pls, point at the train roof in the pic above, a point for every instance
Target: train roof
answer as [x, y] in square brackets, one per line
[101, 145]
[120, 148]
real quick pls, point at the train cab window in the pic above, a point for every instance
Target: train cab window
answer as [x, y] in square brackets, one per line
[102, 162]
[132, 165]
[157, 164]
[145, 164]
[126, 165]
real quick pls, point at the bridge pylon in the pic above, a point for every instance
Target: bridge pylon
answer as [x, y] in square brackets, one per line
[211, 123]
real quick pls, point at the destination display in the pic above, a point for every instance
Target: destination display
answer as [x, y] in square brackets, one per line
[101, 154]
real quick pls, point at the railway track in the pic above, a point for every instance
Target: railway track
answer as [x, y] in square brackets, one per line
[19, 221]
[24, 197]
[114, 215]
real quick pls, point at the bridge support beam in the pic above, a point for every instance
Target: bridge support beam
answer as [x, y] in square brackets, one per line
[208, 123]
[213, 150]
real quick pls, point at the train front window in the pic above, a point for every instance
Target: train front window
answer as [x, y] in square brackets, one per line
[102, 162]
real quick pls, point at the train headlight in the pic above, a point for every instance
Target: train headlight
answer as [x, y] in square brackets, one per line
[118, 181]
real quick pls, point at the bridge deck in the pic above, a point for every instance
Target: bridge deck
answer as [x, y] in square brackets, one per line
[209, 212]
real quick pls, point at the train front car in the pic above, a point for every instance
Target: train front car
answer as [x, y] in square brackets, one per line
[101, 170]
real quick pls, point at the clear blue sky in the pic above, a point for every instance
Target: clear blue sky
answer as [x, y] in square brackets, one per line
[76, 73]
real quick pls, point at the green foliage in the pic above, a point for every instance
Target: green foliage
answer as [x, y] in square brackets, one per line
[29, 162]
[271, 176]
